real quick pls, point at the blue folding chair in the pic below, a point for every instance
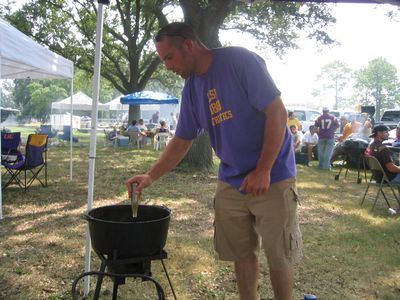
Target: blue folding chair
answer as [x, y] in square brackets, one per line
[10, 142]
[27, 168]
[66, 136]
[46, 129]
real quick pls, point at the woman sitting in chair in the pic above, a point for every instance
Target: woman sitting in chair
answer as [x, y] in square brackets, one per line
[163, 128]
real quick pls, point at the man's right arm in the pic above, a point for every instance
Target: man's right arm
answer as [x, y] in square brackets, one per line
[171, 156]
[391, 167]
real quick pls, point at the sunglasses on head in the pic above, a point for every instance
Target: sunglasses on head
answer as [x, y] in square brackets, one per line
[160, 35]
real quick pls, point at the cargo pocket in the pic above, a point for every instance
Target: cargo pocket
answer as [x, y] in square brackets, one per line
[295, 194]
[293, 243]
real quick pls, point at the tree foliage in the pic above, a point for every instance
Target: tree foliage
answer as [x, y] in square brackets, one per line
[333, 80]
[378, 84]
[129, 60]
[41, 98]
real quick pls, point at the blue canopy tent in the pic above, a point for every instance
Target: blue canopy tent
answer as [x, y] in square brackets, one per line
[148, 97]
[142, 99]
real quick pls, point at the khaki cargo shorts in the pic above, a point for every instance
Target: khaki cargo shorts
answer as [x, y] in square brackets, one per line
[243, 222]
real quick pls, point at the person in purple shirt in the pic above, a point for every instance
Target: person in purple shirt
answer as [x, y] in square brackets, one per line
[327, 125]
[229, 93]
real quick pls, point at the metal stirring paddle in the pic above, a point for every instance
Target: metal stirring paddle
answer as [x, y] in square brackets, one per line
[134, 202]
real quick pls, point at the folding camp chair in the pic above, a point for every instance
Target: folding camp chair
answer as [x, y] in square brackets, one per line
[10, 142]
[376, 168]
[66, 136]
[27, 168]
[46, 129]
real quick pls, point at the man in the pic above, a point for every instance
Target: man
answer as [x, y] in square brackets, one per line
[297, 136]
[292, 120]
[155, 117]
[380, 133]
[310, 140]
[143, 128]
[343, 122]
[396, 142]
[174, 121]
[327, 125]
[229, 93]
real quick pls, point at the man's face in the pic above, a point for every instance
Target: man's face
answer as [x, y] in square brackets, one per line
[383, 135]
[175, 57]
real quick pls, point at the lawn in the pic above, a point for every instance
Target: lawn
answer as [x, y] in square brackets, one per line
[350, 252]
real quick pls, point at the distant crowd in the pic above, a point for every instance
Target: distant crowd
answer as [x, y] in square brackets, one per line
[325, 139]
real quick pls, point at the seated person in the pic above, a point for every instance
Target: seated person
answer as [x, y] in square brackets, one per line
[163, 127]
[366, 126]
[380, 133]
[349, 130]
[396, 142]
[296, 137]
[343, 121]
[310, 141]
[142, 126]
[135, 128]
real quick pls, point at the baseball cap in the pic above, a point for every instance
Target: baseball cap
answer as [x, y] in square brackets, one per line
[379, 128]
[325, 109]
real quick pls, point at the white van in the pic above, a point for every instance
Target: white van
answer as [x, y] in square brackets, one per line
[306, 116]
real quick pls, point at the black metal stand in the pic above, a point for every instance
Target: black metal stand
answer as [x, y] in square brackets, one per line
[120, 269]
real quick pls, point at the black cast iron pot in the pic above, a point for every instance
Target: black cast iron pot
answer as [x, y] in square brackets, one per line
[113, 231]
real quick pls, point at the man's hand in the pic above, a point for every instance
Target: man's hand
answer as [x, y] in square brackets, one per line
[142, 182]
[257, 182]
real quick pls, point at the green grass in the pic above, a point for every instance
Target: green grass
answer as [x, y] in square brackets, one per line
[349, 251]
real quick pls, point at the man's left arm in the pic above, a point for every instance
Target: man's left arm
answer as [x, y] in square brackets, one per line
[257, 182]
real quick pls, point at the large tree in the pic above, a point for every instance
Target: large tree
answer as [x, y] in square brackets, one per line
[378, 84]
[332, 81]
[129, 60]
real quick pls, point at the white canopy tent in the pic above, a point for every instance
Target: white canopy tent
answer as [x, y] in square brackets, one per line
[80, 101]
[116, 104]
[21, 57]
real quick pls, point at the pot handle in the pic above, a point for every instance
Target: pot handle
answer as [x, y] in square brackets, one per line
[87, 217]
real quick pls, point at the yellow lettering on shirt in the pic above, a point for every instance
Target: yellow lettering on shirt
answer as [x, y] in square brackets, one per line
[217, 117]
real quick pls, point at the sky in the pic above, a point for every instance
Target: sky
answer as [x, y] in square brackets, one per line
[364, 33]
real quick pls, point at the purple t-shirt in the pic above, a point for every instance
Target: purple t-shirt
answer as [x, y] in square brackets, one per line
[327, 125]
[228, 102]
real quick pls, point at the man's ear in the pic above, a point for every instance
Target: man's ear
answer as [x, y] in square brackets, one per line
[188, 45]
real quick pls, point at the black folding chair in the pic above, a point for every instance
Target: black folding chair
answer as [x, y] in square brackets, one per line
[380, 180]
[27, 168]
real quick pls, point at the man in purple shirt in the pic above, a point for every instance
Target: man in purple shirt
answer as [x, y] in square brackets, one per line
[228, 92]
[327, 125]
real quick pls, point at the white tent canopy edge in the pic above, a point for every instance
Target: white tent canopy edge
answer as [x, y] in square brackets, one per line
[22, 57]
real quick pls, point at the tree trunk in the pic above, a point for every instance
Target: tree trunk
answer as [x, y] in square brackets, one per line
[206, 22]
[200, 155]
[134, 113]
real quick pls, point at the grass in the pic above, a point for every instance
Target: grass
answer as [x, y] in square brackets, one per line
[349, 251]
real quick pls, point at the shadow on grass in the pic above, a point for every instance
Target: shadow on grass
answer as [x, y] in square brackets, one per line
[349, 251]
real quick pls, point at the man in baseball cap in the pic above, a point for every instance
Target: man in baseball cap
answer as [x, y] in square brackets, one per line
[380, 133]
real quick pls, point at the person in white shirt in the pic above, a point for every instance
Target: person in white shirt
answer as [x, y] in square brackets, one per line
[310, 140]
[174, 121]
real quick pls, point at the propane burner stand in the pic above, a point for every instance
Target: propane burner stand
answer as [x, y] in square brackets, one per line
[120, 269]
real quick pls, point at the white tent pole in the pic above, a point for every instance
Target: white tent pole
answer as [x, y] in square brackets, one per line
[70, 140]
[92, 151]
